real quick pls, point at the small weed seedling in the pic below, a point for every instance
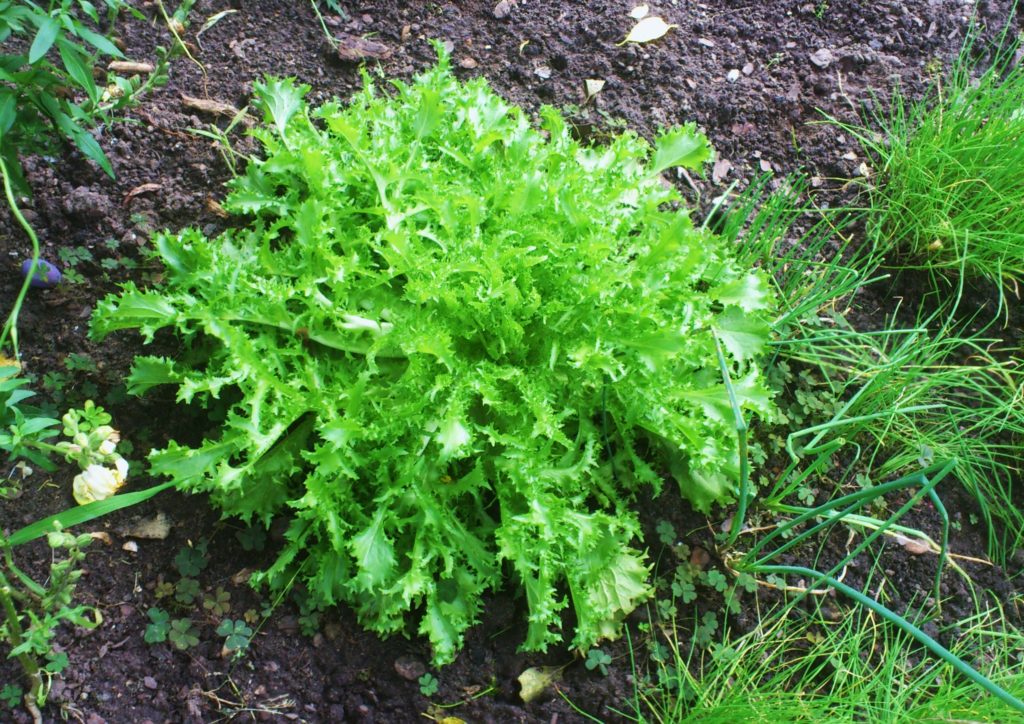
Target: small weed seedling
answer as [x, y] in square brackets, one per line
[183, 634]
[158, 627]
[598, 660]
[428, 685]
[186, 591]
[237, 637]
[218, 603]
[191, 561]
[11, 694]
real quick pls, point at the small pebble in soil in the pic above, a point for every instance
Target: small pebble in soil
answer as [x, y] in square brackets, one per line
[46, 275]
[410, 668]
[149, 682]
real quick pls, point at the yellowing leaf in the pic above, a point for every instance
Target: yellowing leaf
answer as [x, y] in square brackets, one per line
[535, 681]
[649, 28]
[639, 11]
[11, 365]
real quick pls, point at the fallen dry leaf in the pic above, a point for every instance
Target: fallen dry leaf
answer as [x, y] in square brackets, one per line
[127, 66]
[536, 680]
[592, 86]
[912, 546]
[156, 527]
[242, 576]
[101, 535]
[640, 11]
[650, 28]
[720, 170]
[138, 190]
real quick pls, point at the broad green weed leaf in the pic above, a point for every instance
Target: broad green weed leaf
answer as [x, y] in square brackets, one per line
[8, 111]
[78, 68]
[97, 41]
[45, 37]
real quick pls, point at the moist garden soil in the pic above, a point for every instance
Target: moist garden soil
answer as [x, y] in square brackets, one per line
[756, 76]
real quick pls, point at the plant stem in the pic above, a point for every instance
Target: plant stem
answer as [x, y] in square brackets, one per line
[11, 324]
[14, 635]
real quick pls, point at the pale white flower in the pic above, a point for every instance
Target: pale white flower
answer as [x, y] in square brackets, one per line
[107, 447]
[120, 470]
[98, 483]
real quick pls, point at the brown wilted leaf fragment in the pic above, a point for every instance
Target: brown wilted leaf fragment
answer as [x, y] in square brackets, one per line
[214, 207]
[353, 49]
[138, 190]
[203, 105]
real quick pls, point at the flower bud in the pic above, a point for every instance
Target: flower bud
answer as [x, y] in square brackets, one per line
[103, 432]
[107, 447]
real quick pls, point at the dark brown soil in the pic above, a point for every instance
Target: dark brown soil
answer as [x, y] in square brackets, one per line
[763, 117]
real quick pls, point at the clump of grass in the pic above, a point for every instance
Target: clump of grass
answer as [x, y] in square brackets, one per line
[904, 395]
[806, 668]
[949, 190]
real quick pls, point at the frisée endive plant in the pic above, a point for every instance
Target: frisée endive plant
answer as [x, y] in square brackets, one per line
[450, 341]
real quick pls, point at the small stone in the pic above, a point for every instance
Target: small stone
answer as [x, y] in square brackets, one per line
[699, 558]
[543, 72]
[149, 682]
[410, 668]
[733, 75]
[503, 9]
[467, 63]
[822, 57]
[706, 43]
[748, 69]
[130, 546]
